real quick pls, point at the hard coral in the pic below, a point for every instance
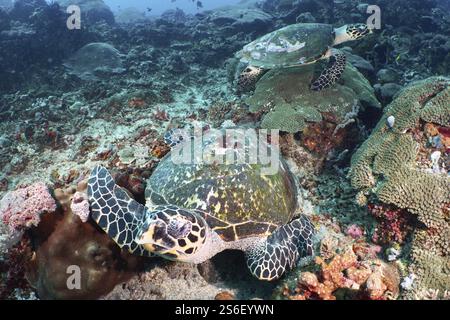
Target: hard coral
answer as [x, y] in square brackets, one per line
[346, 275]
[391, 166]
[292, 105]
[22, 208]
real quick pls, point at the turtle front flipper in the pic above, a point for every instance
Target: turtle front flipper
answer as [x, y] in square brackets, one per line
[269, 258]
[331, 74]
[115, 211]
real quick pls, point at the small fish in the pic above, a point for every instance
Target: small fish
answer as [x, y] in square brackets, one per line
[149, 9]
[199, 4]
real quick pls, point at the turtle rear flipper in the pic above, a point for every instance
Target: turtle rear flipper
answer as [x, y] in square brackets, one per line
[115, 211]
[331, 74]
[269, 258]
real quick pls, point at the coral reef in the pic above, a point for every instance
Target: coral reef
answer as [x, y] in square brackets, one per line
[92, 11]
[351, 272]
[66, 246]
[22, 208]
[388, 159]
[290, 105]
[174, 71]
[394, 225]
[395, 166]
[13, 284]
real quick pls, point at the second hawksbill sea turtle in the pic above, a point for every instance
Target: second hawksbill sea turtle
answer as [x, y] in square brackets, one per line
[194, 211]
[297, 45]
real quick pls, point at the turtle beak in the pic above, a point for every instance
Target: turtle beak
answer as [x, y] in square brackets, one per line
[146, 239]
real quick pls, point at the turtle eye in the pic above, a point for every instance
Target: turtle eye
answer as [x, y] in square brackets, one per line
[179, 228]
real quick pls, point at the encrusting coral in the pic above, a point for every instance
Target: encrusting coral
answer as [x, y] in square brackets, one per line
[352, 272]
[404, 166]
[22, 209]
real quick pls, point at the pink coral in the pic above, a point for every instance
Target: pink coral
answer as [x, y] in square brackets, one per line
[80, 206]
[394, 224]
[354, 231]
[21, 209]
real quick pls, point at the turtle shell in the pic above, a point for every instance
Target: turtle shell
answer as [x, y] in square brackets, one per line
[236, 196]
[292, 45]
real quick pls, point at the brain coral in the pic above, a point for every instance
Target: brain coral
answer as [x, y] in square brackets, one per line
[393, 166]
[290, 104]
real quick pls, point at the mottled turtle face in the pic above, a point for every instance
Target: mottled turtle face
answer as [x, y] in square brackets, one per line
[357, 31]
[173, 233]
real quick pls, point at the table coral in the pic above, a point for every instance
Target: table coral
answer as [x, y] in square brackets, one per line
[395, 166]
[291, 105]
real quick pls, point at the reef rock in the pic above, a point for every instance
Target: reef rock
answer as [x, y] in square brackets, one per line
[244, 20]
[68, 251]
[92, 11]
[343, 270]
[130, 15]
[95, 59]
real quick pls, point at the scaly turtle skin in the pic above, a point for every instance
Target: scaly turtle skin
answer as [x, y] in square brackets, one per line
[195, 209]
[296, 45]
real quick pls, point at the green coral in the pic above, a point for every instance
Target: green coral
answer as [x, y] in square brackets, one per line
[286, 94]
[386, 162]
[386, 166]
[436, 110]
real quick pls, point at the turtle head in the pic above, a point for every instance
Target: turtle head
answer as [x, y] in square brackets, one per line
[173, 233]
[351, 32]
[358, 30]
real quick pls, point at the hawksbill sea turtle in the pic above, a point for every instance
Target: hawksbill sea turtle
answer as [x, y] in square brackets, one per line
[297, 45]
[195, 210]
